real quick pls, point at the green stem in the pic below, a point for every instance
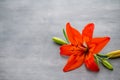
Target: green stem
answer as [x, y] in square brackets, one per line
[99, 57]
[102, 55]
[96, 59]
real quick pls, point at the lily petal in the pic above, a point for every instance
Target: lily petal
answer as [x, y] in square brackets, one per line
[87, 32]
[90, 63]
[67, 50]
[74, 62]
[74, 35]
[97, 44]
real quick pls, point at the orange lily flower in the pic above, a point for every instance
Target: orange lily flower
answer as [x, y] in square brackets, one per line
[82, 48]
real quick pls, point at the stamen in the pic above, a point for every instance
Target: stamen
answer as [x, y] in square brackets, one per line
[84, 44]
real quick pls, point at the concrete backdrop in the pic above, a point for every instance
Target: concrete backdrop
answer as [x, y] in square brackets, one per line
[27, 26]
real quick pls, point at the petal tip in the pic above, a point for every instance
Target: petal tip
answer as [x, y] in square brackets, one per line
[91, 24]
[97, 70]
[65, 69]
[108, 38]
[61, 50]
[94, 69]
[68, 23]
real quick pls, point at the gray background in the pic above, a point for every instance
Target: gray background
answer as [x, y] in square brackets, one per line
[27, 26]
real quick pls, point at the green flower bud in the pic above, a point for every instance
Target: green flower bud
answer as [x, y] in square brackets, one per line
[59, 41]
[107, 64]
[113, 54]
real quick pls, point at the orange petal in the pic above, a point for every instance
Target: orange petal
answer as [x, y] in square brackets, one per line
[97, 44]
[67, 50]
[87, 32]
[74, 62]
[90, 63]
[74, 35]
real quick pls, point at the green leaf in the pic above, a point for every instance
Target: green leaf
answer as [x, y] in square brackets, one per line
[65, 36]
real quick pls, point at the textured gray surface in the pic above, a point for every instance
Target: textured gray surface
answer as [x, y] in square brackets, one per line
[27, 26]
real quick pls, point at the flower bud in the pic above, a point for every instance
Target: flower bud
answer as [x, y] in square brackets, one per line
[107, 64]
[59, 41]
[113, 54]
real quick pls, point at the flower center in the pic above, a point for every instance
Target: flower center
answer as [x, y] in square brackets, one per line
[82, 49]
[85, 48]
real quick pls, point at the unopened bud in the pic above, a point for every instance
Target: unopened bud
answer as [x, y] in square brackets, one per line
[107, 64]
[113, 54]
[59, 41]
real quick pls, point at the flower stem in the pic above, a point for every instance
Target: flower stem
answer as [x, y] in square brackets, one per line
[96, 59]
[102, 55]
